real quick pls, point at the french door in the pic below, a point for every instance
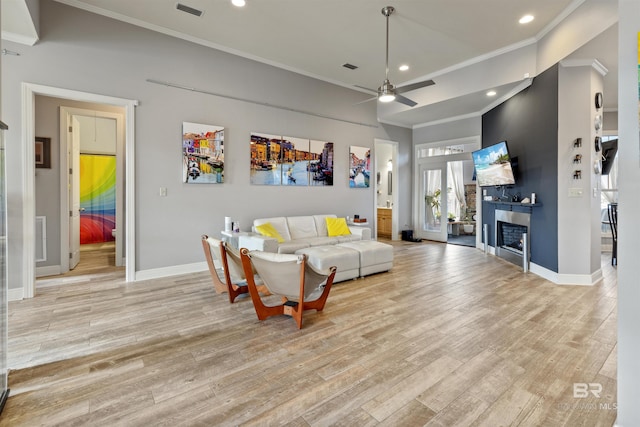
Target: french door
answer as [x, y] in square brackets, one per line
[432, 196]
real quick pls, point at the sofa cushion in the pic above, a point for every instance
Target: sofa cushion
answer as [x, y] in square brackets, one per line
[322, 241]
[337, 227]
[292, 246]
[269, 230]
[301, 227]
[279, 223]
[321, 224]
[349, 238]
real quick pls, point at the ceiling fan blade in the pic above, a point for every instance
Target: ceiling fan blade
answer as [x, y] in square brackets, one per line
[404, 100]
[366, 100]
[414, 86]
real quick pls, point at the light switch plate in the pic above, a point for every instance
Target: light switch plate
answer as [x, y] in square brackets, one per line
[575, 192]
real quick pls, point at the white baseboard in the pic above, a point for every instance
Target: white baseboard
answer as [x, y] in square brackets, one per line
[157, 273]
[49, 270]
[15, 294]
[558, 278]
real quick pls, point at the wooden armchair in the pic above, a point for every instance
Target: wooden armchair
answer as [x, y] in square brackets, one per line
[235, 282]
[301, 286]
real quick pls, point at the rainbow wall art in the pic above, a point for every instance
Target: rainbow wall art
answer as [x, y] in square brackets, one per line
[97, 198]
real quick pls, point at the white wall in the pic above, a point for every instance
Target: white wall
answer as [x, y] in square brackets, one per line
[94, 54]
[629, 212]
[579, 234]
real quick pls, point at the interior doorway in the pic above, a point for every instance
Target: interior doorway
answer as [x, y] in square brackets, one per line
[29, 93]
[92, 141]
[386, 209]
[445, 198]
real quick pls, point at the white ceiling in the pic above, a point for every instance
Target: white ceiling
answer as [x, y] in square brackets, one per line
[316, 37]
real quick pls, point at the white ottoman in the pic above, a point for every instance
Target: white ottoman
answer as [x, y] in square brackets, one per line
[374, 256]
[347, 261]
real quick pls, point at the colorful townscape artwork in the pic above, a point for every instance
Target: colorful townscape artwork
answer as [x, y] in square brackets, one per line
[97, 198]
[285, 160]
[359, 166]
[202, 153]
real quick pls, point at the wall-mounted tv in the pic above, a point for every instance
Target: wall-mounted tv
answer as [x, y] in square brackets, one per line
[493, 166]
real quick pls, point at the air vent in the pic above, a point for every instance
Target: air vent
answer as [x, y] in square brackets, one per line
[350, 66]
[188, 9]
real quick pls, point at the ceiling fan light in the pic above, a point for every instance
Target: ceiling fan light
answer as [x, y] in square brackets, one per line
[386, 97]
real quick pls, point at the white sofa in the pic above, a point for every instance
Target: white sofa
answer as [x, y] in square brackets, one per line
[298, 232]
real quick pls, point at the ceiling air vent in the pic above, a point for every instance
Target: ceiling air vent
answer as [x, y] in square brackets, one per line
[188, 9]
[350, 66]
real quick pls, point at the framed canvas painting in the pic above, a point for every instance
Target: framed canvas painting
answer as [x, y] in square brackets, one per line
[266, 159]
[295, 161]
[359, 166]
[43, 152]
[321, 162]
[202, 153]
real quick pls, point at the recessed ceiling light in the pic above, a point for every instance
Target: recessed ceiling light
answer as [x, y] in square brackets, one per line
[526, 19]
[491, 93]
[403, 67]
[238, 3]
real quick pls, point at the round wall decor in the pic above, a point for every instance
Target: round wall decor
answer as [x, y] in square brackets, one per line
[598, 100]
[597, 122]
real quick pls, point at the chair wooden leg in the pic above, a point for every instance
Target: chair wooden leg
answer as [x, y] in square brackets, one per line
[318, 304]
[262, 311]
[234, 290]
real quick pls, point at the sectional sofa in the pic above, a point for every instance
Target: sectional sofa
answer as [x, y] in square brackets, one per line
[298, 232]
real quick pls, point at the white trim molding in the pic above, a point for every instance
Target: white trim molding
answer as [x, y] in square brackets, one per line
[174, 270]
[29, 91]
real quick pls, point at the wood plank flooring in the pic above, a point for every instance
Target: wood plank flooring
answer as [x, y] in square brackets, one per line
[449, 337]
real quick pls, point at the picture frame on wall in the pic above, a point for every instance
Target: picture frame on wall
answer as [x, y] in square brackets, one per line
[43, 152]
[202, 153]
[290, 161]
[359, 167]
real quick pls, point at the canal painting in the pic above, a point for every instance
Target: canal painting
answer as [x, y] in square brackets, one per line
[359, 166]
[291, 161]
[202, 153]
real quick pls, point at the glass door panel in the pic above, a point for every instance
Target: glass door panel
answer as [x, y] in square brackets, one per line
[433, 202]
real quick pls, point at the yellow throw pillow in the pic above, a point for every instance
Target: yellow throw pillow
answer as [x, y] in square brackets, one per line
[269, 230]
[337, 227]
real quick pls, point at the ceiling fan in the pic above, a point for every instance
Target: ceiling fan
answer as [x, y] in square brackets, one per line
[388, 92]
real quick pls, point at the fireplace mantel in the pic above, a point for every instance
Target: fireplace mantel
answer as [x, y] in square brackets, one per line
[508, 206]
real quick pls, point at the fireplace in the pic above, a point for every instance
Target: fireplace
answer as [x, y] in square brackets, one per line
[512, 236]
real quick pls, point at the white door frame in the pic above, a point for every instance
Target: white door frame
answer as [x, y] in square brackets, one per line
[29, 92]
[394, 188]
[418, 161]
[66, 114]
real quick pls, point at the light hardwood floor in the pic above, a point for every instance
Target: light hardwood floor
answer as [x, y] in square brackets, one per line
[449, 337]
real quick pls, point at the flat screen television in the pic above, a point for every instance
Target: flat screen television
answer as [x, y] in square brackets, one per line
[493, 166]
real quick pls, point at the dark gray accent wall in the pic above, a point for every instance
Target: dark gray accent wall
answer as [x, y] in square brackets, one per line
[529, 123]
